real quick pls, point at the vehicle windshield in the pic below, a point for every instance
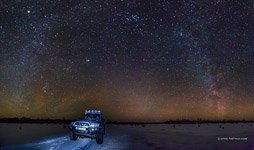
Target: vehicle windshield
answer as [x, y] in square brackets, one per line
[92, 116]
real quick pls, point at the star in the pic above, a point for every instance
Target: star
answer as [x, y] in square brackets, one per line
[87, 60]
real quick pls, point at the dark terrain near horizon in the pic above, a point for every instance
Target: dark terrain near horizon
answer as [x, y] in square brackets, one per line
[64, 121]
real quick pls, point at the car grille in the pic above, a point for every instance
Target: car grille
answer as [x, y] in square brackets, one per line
[82, 124]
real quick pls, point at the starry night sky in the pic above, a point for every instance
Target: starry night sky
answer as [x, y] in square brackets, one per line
[150, 60]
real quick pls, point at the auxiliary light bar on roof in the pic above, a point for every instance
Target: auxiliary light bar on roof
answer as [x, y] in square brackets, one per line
[92, 111]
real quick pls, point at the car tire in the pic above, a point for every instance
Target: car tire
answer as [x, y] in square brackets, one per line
[74, 137]
[99, 138]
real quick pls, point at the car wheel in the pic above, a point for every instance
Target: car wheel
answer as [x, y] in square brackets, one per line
[99, 138]
[74, 137]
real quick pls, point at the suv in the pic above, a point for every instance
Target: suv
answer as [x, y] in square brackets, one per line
[91, 125]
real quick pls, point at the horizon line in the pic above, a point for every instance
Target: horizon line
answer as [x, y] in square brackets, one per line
[108, 121]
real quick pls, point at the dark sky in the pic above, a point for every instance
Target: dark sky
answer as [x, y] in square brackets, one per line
[149, 60]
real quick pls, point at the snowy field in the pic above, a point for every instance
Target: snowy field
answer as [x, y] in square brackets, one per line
[153, 136]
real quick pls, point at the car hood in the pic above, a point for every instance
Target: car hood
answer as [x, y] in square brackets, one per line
[87, 120]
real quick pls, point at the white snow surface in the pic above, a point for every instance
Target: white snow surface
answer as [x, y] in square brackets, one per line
[234, 136]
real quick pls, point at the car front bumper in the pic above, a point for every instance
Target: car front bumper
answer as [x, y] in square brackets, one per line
[85, 132]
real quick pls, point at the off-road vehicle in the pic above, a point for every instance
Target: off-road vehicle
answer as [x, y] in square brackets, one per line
[92, 125]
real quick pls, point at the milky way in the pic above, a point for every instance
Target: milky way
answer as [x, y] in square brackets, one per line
[135, 60]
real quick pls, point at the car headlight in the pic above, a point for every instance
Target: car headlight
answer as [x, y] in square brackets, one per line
[73, 124]
[94, 125]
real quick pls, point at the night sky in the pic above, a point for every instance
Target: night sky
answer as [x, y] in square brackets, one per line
[150, 60]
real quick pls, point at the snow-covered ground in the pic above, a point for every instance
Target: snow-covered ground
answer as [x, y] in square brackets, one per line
[160, 137]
